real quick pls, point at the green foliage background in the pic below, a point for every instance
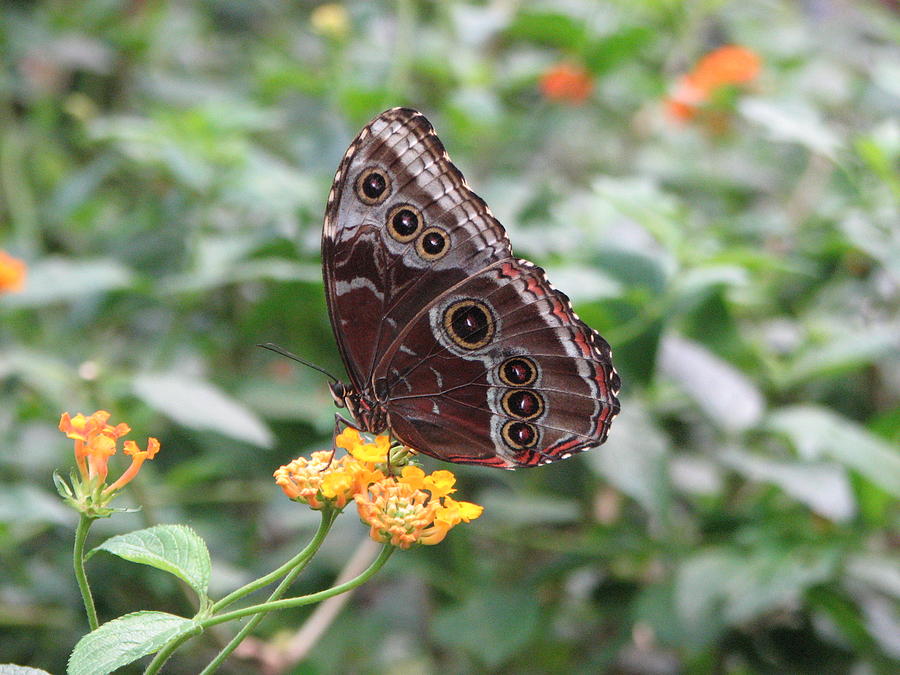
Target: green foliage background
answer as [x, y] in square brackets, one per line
[163, 171]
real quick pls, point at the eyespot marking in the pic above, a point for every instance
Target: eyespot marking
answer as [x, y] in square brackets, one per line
[404, 222]
[432, 244]
[469, 324]
[519, 435]
[522, 404]
[518, 371]
[373, 186]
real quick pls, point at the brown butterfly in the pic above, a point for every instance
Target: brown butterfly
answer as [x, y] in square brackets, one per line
[462, 351]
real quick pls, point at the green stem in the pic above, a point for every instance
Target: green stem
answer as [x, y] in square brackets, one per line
[81, 532]
[300, 601]
[300, 562]
[297, 561]
[14, 187]
[163, 654]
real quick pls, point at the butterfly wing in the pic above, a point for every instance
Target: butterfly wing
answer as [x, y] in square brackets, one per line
[473, 355]
[499, 370]
[401, 227]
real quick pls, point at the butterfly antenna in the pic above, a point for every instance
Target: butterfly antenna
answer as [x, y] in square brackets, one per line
[272, 347]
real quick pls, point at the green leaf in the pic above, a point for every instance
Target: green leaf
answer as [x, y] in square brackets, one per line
[509, 511]
[175, 549]
[54, 280]
[723, 392]
[126, 639]
[197, 404]
[548, 28]
[721, 587]
[635, 458]
[603, 54]
[844, 353]
[792, 123]
[695, 285]
[492, 625]
[881, 572]
[818, 432]
[583, 283]
[823, 487]
[633, 269]
[42, 372]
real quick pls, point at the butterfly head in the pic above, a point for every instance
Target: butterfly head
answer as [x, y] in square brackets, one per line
[343, 395]
[369, 414]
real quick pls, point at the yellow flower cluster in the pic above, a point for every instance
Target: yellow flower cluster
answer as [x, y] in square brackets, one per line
[323, 480]
[412, 508]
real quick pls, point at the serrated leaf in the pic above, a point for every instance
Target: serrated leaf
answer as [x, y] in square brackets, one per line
[126, 639]
[175, 549]
[817, 432]
[197, 404]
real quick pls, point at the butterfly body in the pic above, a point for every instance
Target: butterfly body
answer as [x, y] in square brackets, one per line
[461, 350]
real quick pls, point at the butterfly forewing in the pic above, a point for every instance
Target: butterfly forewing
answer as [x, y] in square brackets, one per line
[386, 257]
[471, 355]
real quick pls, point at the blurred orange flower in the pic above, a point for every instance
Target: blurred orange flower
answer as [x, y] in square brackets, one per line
[12, 273]
[726, 66]
[567, 83]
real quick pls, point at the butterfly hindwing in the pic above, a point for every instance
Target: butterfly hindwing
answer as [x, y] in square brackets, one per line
[500, 370]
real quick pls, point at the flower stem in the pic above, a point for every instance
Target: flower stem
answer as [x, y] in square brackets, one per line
[81, 532]
[167, 651]
[302, 600]
[299, 561]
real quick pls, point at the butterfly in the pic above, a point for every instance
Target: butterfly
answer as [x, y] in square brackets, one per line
[462, 351]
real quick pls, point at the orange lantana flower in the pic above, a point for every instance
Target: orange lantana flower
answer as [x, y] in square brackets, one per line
[95, 443]
[401, 510]
[351, 441]
[731, 65]
[324, 481]
[450, 514]
[395, 512]
[12, 273]
[414, 508]
[567, 83]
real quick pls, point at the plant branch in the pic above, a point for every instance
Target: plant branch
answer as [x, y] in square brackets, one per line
[81, 532]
